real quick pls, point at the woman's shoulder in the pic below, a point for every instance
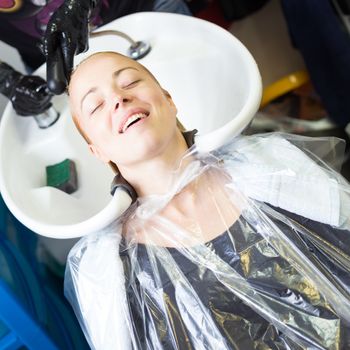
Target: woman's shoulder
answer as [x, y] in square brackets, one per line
[283, 171]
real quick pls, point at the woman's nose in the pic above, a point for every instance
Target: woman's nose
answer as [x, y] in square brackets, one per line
[119, 100]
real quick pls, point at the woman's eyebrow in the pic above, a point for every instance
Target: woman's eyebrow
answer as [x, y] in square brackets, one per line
[94, 88]
[116, 73]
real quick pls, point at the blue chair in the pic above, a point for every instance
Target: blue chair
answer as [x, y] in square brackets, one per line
[33, 314]
[23, 330]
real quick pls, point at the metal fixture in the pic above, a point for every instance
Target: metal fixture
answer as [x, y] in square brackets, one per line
[47, 119]
[137, 49]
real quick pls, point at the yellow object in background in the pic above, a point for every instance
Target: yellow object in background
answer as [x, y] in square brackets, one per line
[284, 85]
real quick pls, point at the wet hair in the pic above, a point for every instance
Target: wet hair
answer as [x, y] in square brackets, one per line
[108, 53]
[75, 120]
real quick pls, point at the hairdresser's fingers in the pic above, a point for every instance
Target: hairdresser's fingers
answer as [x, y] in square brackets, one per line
[51, 38]
[28, 112]
[30, 96]
[83, 38]
[57, 78]
[22, 109]
[51, 48]
[66, 35]
[30, 108]
[36, 103]
[69, 48]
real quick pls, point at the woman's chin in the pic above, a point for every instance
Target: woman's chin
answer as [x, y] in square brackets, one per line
[140, 151]
[145, 143]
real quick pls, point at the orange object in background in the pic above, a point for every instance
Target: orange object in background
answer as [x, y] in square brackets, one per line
[293, 96]
[284, 85]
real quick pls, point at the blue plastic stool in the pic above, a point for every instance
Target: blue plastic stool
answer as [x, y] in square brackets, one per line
[33, 312]
[22, 308]
[23, 330]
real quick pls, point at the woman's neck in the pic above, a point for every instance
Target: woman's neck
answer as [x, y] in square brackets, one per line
[155, 176]
[201, 211]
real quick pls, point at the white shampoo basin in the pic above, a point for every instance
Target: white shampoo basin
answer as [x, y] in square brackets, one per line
[212, 78]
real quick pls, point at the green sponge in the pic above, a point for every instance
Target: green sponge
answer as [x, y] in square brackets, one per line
[62, 176]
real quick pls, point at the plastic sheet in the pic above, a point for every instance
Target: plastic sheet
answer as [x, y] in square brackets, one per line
[250, 249]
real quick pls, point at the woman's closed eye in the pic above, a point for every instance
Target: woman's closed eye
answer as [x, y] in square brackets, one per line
[96, 108]
[130, 84]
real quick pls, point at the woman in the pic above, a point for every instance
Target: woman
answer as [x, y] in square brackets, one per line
[221, 250]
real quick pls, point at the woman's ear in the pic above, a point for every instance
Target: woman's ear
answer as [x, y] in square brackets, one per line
[98, 153]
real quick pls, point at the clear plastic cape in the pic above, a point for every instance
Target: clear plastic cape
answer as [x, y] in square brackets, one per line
[249, 249]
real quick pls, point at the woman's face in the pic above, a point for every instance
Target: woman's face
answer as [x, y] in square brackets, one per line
[122, 110]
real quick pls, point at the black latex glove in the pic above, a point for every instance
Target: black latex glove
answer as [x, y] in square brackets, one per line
[66, 35]
[28, 93]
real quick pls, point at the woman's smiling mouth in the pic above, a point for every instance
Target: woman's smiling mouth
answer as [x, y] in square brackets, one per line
[132, 119]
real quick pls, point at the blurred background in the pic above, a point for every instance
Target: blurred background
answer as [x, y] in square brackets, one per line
[302, 48]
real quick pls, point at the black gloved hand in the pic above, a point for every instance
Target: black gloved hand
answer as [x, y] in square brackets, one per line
[66, 35]
[28, 93]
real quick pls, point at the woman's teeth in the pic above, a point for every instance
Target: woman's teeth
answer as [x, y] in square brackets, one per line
[134, 118]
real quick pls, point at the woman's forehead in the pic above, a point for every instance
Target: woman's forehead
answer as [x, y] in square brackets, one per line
[103, 62]
[95, 66]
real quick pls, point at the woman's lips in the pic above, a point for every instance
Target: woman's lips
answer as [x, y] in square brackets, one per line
[132, 118]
